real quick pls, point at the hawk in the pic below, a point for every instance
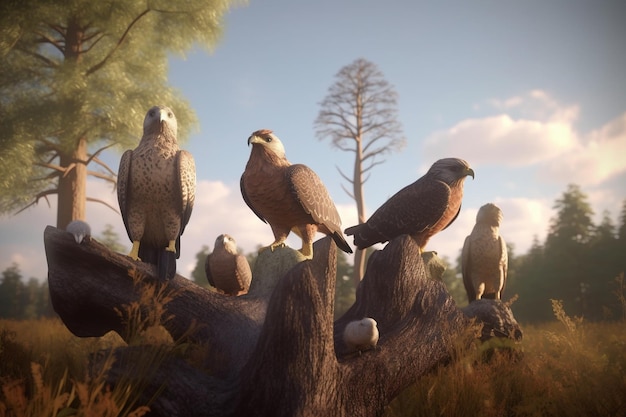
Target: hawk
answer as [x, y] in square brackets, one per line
[361, 335]
[288, 197]
[227, 270]
[156, 187]
[484, 259]
[79, 229]
[420, 209]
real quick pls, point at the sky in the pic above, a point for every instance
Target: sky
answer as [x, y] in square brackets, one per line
[532, 94]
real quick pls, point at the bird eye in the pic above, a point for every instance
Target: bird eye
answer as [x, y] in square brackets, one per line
[268, 139]
[169, 114]
[151, 113]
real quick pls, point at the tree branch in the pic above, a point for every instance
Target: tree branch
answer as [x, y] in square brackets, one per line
[97, 200]
[42, 194]
[280, 340]
[118, 44]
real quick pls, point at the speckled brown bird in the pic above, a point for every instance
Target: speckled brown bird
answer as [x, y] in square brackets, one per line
[484, 259]
[156, 187]
[288, 197]
[420, 209]
[227, 270]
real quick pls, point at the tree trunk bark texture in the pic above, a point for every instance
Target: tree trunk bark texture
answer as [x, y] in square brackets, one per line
[276, 350]
[72, 188]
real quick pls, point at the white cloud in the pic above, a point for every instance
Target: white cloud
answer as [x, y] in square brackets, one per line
[596, 158]
[502, 140]
[542, 135]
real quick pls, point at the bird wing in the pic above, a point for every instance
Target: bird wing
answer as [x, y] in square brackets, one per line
[504, 263]
[308, 189]
[466, 268]
[242, 272]
[247, 200]
[413, 209]
[186, 171]
[207, 270]
[123, 187]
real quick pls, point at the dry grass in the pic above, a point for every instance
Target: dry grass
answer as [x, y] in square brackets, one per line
[568, 367]
[45, 370]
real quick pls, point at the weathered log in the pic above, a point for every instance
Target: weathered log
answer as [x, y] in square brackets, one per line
[276, 350]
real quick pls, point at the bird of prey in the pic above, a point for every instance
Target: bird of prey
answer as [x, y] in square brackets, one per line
[227, 270]
[484, 259]
[361, 335]
[288, 197]
[156, 187]
[79, 229]
[420, 209]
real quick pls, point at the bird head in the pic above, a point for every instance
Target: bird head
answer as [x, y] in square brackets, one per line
[489, 214]
[160, 119]
[451, 170]
[227, 242]
[265, 138]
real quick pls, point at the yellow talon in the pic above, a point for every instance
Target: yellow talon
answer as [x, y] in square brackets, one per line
[278, 244]
[307, 250]
[172, 246]
[134, 251]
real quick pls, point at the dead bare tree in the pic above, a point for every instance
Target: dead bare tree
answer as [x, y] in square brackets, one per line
[359, 115]
[276, 350]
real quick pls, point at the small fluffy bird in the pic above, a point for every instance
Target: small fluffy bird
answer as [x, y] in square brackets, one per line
[156, 186]
[288, 197]
[420, 209]
[484, 259]
[79, 229]
[227, 270]
[360, 335]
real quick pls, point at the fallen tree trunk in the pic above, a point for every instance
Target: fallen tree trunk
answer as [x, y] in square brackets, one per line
[276, 350]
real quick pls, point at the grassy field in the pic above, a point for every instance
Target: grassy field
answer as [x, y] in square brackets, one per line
[566, 367]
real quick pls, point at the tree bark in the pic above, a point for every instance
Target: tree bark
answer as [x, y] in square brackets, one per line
[72, 193]
[276, 350]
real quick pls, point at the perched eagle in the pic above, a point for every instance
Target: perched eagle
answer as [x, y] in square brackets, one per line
[227, 270]
[288, 197]
[156, 187]
[484, 259]
[420, 209]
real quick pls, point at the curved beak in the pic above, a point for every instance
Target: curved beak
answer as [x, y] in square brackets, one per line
[470, 171]
[254, 139]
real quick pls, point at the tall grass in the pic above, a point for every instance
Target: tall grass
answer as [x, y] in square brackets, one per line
[46, 371]
[565, 368]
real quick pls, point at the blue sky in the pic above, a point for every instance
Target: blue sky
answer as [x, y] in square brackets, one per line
[532, 94]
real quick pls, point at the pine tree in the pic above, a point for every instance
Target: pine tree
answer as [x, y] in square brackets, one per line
[77, 78]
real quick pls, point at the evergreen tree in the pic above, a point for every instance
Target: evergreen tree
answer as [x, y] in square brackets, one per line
[198, 275]
[77, 78]
[111, 240]
[566, 253]
[12, 293]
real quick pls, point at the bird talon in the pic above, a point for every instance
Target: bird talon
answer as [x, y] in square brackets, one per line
[171, 247]
[277, 245]
[134, 251]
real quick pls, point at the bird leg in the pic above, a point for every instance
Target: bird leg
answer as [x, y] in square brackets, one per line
[307, 249]
[171, 247]
[134, 251]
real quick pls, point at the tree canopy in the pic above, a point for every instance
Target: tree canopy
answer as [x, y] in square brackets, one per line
[77, 78]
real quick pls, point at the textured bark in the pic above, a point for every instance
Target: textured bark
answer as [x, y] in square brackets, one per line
[276, 350]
